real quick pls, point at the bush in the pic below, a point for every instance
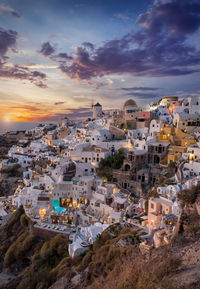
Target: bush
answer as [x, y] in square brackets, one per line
[9, 258]
[24, 221]
[19, 249]
[14, 219]
[63, 269]
[192, 229]
[55, 249]
[85, 261]
[114, 161]
[189, 196]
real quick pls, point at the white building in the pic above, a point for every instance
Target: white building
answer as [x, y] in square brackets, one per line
[155, 126]
[191, 105]
[191, 169]
[84, 237]
[193, 152]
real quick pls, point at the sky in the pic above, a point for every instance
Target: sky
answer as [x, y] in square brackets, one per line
[58, 57]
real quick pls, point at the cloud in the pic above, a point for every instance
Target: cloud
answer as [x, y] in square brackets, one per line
[122, 16]
[59, 102]
[74, 114]
[15, 14]
[142, 88]
[142, 95]
[39, 66]
[81, 99]
[10, 10]
[158, 46]
[62, 57]
[88, 45]
[8, 40]
[27, 107]
[47, 49]
[23, 73]
[79, 113]
[178, 17]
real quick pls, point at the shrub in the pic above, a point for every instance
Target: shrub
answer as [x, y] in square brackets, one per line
[189, 196]
[85, 261]
[14, 218]
[192, 229]
[24, 220]
[114, 161]
[9, 258]
[62, 269]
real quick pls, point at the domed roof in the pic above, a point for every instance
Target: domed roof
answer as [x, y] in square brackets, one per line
[129, 102]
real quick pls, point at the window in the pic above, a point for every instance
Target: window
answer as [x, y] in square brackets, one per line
[152, 206]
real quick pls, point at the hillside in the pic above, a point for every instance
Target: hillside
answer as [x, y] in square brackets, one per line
[114, 261]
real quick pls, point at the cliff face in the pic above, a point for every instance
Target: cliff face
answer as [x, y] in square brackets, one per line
[31, 262]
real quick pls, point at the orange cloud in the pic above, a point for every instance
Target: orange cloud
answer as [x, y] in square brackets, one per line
[41, 112]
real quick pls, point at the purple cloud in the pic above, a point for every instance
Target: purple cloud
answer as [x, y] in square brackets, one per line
[47, 49]
[177, 17]
[140, 88]
[15, 14]
[88, 45]
[158, 46]
[141, 95]
[23, 73]
[79, 113]
[10, 10]
[61, 57]
[8, 40]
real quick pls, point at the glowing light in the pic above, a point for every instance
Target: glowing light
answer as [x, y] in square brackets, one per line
[115, 191]
[191, 156]
[42, 212]
[105, 180]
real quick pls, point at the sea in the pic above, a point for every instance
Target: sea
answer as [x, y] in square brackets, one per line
[6, 126]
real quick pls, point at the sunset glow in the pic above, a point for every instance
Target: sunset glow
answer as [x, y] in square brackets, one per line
[57, 59]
